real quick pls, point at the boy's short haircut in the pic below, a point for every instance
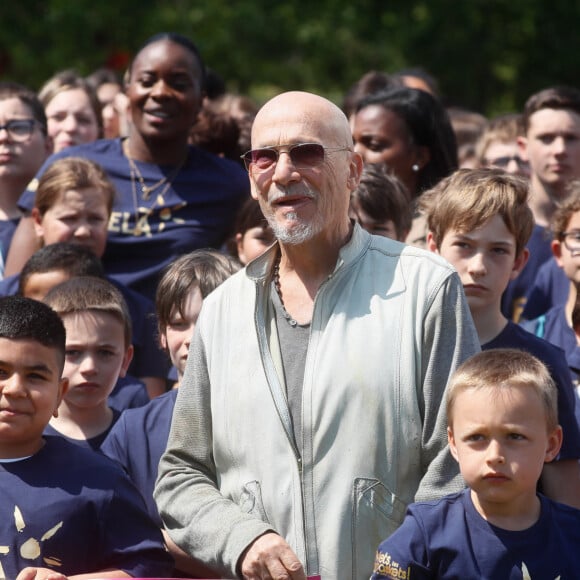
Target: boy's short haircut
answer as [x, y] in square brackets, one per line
[71, 173]
[11, 90]
[501, 369]
[26, 319]
[469, 198]
[86, 293]
[501, 129]
[562, 98]
[566, 210]
[383, 197]
[205, 268]
[72, 259]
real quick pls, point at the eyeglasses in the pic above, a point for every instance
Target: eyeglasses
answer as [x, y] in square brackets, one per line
[19, 130]
[571, 241]
[503, 162]
[302, 156]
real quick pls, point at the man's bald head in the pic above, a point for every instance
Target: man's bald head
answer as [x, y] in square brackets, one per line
[317, 116]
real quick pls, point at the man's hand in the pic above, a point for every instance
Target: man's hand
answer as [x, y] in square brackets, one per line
[39, 574]
[270, 557]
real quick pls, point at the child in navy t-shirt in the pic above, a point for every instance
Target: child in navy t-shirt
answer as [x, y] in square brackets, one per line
[503, 427]
[139, 438]
[66, 511]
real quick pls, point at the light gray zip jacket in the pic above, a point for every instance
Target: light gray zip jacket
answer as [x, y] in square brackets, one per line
[389, 326]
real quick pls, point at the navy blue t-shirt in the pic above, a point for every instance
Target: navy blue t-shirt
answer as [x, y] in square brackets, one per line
[197, 211]
[551, 288]
[553, 326]
[7, 229]
[516, 294]
[94, 443]
[514, 336]
[449, 540]
[129, 393]
[137, 442]
[75, 511]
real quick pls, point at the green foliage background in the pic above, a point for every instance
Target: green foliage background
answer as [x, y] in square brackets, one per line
[488, 55]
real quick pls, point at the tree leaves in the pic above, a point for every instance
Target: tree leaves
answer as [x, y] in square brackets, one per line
[489, 55]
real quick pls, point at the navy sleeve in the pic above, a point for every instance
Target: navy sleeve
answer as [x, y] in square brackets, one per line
[566, 407]
[404, 554]
[129, 393]
[132, 541]
[115, 445]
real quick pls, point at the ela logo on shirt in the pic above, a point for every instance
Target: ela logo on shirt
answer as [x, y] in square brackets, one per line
[30, 548]
[526, 573]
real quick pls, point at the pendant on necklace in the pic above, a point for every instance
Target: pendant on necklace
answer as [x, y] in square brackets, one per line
[145, 191]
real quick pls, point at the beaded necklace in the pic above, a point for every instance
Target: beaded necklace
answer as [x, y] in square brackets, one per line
[278, 289]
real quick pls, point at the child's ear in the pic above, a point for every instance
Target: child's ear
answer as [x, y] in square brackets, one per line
[163, 338]
[451, 441]
[431, 244]
[556, 246]
[554, 444]
[62, 389]
[523, 147]
[519, 263]
[126, 361]
[241, 257]
[37, 220]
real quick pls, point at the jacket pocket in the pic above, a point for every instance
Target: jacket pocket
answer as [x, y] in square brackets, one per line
[377, 513]
[251, 501]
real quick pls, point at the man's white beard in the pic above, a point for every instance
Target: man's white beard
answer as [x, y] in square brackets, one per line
[300, 232]
[296, 234]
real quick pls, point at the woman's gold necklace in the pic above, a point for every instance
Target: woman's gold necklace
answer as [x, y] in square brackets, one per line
[146, 191]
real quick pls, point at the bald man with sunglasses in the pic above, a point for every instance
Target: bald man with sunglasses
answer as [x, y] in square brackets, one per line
[310, 413]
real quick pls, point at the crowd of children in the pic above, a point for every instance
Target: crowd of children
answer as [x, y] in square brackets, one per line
[104, 267]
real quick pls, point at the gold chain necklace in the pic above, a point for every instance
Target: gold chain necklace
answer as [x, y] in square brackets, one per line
[141, 221]
[146, 191]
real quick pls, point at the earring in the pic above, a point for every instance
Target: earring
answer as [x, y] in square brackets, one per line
[415, 167]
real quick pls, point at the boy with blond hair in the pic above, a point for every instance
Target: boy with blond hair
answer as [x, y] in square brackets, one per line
[480, 222]
[503, 428]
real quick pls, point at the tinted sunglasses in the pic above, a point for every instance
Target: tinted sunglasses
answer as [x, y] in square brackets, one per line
[302, 156]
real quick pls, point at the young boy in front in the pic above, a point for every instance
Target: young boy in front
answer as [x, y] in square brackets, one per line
[66, 512]
[98, 352]
[480, 222]
[503, 428]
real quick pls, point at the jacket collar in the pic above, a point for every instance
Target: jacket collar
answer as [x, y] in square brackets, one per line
[260, 268]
